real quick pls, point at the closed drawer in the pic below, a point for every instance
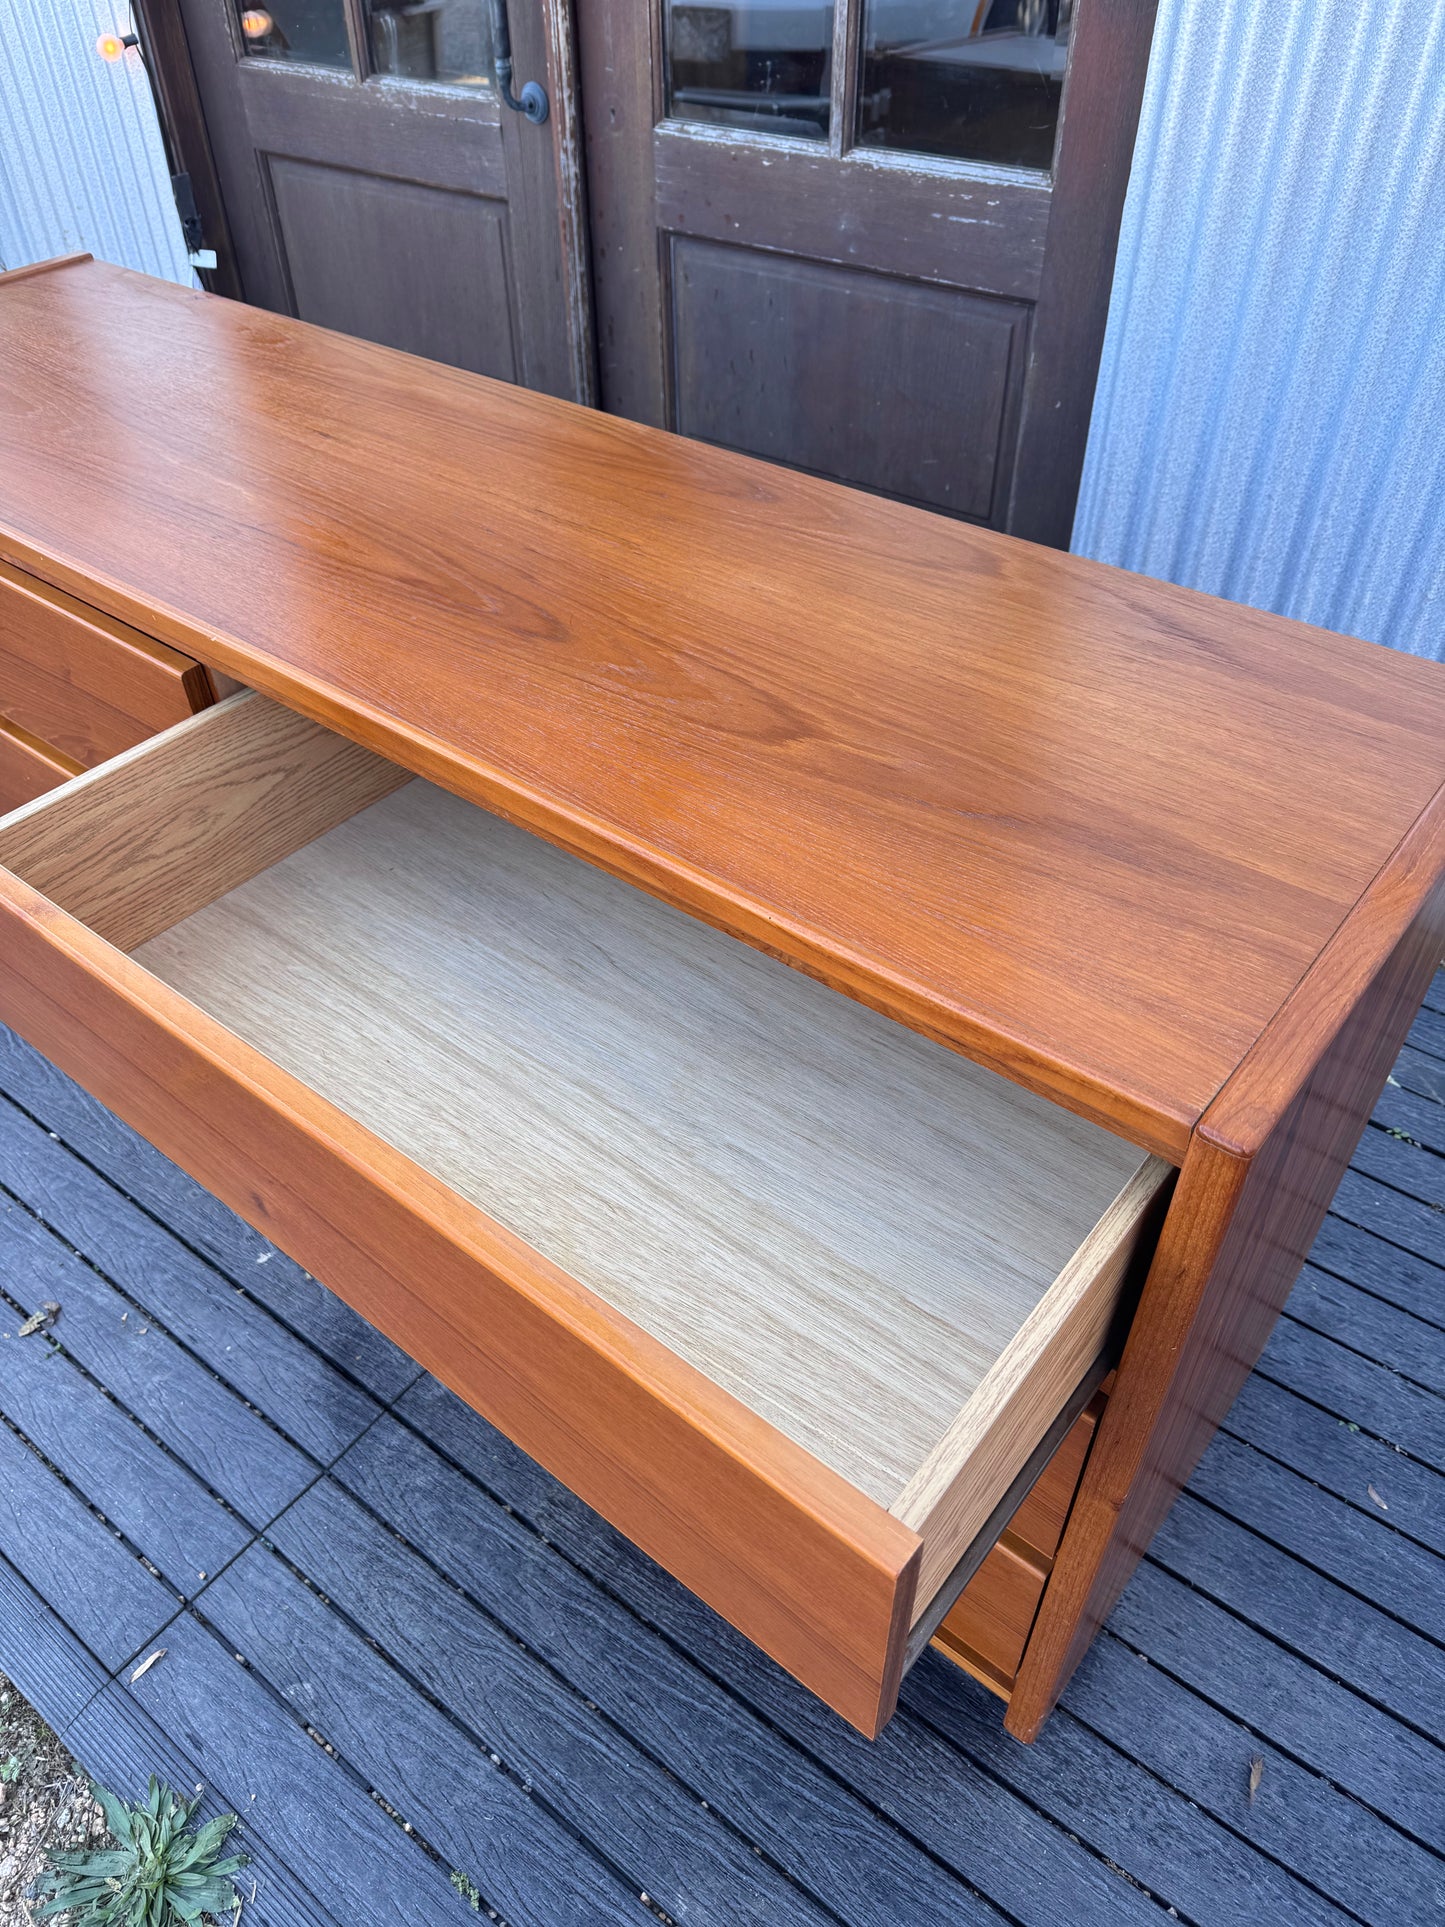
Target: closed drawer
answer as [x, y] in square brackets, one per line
[29, 767]
[988, 1626]
[80, 680]
[788, 1293]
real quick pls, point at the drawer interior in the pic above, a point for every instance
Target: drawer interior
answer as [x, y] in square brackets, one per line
[899, 1259]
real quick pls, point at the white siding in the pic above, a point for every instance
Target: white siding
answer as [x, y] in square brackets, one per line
[1270, 418]
[81, 161]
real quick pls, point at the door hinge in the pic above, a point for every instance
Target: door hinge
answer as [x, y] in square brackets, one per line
[190, 214]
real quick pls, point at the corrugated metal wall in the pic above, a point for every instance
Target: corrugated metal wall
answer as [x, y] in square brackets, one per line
[81, 162]
[1270, 419]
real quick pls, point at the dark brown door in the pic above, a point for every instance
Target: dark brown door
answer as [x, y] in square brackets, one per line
[374, 182]
[871, 238]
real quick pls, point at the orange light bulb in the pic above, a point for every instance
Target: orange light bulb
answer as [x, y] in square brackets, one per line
[256, 23]
[110, 46]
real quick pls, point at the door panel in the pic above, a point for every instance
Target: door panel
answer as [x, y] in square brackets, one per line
[421, 268]
[891, 214]
[920, 200]
[375, 183]
[903, 387]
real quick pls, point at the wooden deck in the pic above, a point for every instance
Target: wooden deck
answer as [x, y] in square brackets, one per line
[402, 1652]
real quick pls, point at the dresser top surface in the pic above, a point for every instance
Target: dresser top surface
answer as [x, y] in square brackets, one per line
[1090, 828]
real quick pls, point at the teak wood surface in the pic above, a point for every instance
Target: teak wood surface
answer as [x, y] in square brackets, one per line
[80, 680]
[1252, 1195]
[1090, 830]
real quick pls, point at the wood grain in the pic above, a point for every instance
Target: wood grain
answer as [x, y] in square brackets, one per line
[1252, 1194]
[83, 681]
[817, 1574]
[163, 829]
[1088, 829]
[853, 1231]
[950, 1497]
[28, 767]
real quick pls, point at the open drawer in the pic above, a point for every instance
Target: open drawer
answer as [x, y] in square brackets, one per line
[790, 1294]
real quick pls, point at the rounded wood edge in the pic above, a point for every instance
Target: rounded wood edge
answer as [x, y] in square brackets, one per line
[1274, 1072]
[1395, 932]
[41, 751]
[45, 267]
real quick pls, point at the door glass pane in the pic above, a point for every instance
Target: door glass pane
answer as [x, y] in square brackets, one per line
[448, 40]
[977, 80]
[310, 30]
[760, 64]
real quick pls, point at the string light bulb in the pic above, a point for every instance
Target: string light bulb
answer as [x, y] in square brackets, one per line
[256, 23]
[111, 46]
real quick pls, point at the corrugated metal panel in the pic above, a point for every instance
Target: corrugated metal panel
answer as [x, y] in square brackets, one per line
[81, 161]
[1270, 417]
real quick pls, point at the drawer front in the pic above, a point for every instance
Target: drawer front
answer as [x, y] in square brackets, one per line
[989, 1624]
[83, 682]
[813, 1571]
[28, 767]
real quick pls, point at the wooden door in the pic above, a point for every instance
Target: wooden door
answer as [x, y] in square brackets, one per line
[870, 238]
[375, 182]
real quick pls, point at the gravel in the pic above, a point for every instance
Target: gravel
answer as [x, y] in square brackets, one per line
[45, 1803]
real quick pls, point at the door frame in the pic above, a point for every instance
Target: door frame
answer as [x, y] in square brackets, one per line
[546, 179]
[177, 96]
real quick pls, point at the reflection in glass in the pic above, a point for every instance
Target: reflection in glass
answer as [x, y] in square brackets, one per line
[977, 80]
[760, 64]
[310, 30]
[448, 40]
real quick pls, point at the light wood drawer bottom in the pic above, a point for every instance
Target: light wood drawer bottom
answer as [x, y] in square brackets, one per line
[789, 1294]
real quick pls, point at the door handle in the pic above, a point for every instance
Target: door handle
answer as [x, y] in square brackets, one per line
[533, 103]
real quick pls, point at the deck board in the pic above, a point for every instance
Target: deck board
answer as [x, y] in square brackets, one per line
[563, 1723]
[230, 1446]
[1340, 1458]
[513, 1723]
[170, 1288]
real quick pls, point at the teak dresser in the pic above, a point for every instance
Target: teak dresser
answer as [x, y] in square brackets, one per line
[887, 1296]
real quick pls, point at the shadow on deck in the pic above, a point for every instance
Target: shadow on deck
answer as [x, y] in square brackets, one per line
[400, 1651]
